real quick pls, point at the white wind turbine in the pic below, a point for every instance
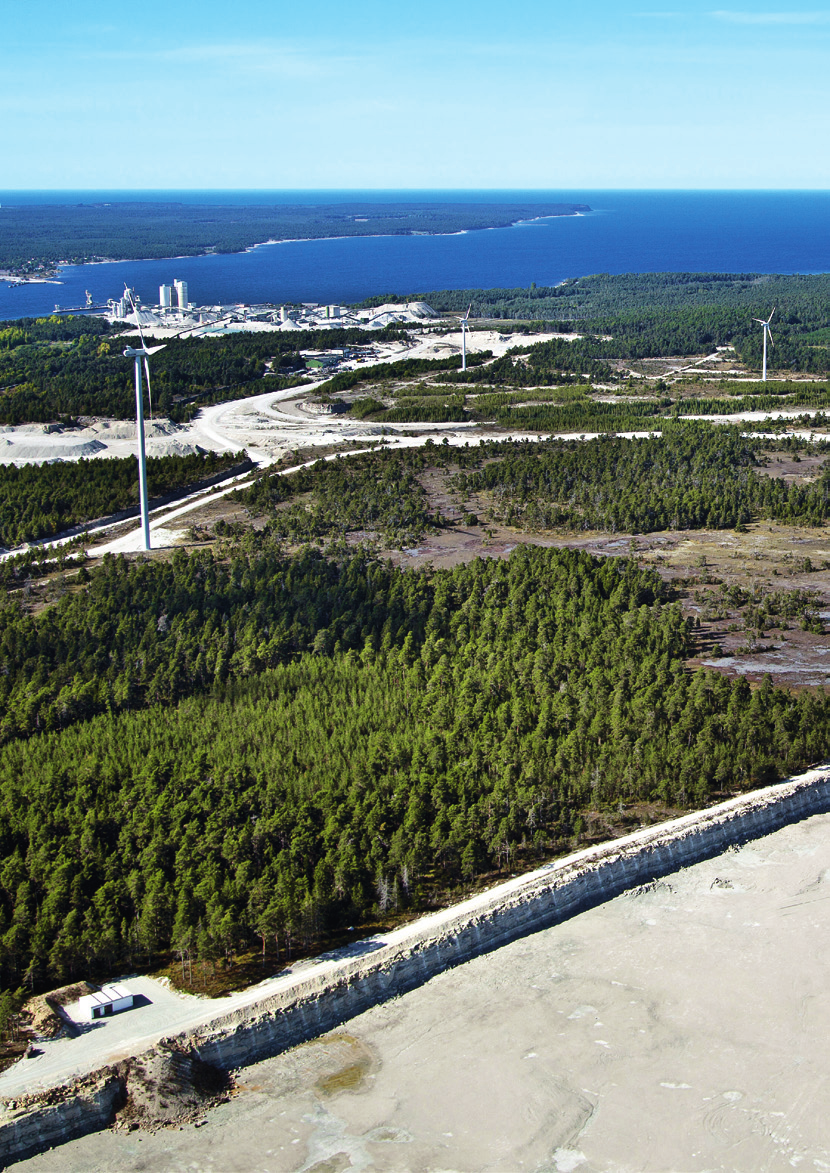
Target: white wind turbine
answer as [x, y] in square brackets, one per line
[767, 334]
[142, 353]
[464, 328]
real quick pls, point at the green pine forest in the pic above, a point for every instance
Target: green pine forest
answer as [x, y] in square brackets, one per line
[693, 475]
[261, 742]
[244, 748]
[62, 367]
[38, 501]
[255, 744]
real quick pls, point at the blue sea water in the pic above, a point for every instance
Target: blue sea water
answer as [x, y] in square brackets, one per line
[626, 231]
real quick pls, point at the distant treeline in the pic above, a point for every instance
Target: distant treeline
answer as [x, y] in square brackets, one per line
[656, 314]
[44, 234]
[37, 501]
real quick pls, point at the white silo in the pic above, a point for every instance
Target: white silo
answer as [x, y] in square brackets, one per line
[165, 296]
[181, 294]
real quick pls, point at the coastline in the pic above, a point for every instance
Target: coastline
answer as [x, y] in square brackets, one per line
[54, 279]
[16, 279]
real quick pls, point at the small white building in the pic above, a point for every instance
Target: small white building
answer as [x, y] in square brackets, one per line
[108, 1000]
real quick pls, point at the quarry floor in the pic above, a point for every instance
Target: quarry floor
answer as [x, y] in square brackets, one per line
[678, 1028]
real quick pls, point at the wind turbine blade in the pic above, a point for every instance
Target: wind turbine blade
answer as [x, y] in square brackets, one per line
[769, 319]
[155, 349]
[149, 388]
[769, 335]
[137, 320]
[760, 321]
[469, 307]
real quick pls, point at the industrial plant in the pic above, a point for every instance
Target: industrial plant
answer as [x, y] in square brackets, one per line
[175, 312]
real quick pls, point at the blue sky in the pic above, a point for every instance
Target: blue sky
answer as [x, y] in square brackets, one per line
[376, 93]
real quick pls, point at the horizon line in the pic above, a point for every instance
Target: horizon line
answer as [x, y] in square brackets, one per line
[541, 190]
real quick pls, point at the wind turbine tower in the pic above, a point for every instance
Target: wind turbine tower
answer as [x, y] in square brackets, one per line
[767, 334]
[464, 337]
[141, 354]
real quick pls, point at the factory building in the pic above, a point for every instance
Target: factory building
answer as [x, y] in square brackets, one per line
[124, 306]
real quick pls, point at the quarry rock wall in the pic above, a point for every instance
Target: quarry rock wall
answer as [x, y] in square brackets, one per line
[416, 953]
[29, 1130]
[505, 914]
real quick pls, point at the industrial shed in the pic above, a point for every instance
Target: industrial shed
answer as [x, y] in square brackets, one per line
[108, 1000]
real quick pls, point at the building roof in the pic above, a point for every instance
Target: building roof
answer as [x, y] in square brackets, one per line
[116, 990]
[105, 996]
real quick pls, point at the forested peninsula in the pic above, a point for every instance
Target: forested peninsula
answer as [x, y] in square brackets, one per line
[38, 237]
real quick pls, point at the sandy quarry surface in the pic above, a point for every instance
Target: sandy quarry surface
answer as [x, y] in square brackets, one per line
[272, 423]
[267, 425]
[679, 1029]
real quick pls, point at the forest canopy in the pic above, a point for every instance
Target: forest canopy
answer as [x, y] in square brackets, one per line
[63, 367]
[692, 475]
[655, 314]
[39, 500]
[215, 751]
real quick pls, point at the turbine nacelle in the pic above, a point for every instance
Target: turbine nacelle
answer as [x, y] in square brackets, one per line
[144, 352]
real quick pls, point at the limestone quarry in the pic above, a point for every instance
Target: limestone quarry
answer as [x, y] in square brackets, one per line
[425, 1048]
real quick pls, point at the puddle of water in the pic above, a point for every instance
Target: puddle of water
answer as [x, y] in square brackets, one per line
[352, 1063]
[347, 1079]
